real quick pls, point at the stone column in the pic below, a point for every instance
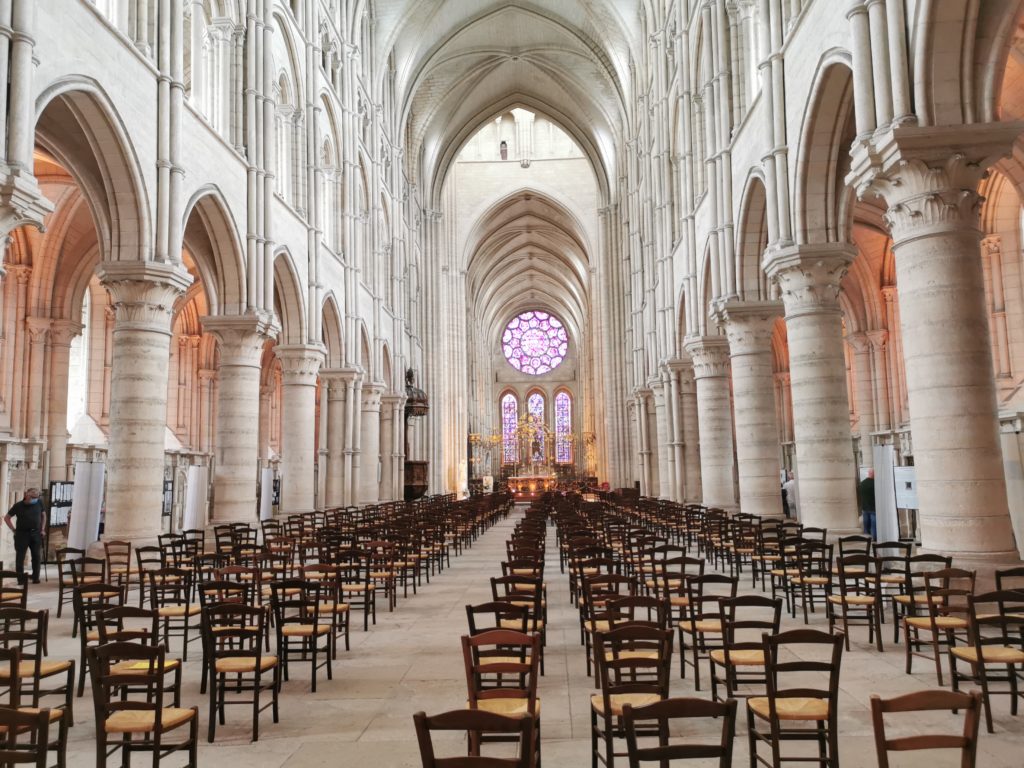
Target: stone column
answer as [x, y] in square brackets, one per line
[339, 383]
[300, 364]
[143, 295]
[809, 277]
[61, 334]
[929, 179]
[710, 355]
[390, 405]
[693, 489]
[240, 340]
[662, 444]
[38, 330]
[748, 326]
[880, 377]
[368, 489]
[863, 393]
[673, 368]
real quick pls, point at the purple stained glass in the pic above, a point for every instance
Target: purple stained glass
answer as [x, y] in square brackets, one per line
[535, 342]
[563, 428]
[509, 421]
[535, 407]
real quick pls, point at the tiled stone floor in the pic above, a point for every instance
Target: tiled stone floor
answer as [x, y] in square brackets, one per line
[412, 661]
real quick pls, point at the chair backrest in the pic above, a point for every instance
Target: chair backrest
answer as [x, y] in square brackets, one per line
[128, 624]
[633, 659]
[745, 619]
[295, 601]
[505, 615]
[783, 663]
[947, 591]
[1010, 578]
[24, 736]
[857, 544]
[667, 713]
[928, 701]
[233, 629]
[89, 600]
[170, 587]
[502, 664]
[218, 591]
[25, 630]
[859, 574]
[705, 592]
[638, 609]
[996, 618]
[475, 721]
[118, 553]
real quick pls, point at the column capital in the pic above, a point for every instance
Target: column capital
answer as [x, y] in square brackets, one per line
[394, 401]
[878, 338]
[748, 325]
[710, 355]
[241, 338]
[37, 328]
[859, 342]
[207, 375]
[371, 394]
[22, 202]
[782, 377]
[929, 175]
[143, 292]
[300, 363]
[679, 365]
[63, 331]
[809, 275]
[341, 375]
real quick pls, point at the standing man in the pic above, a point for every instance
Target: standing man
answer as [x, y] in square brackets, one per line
[28, 533]
[866, 496]
[791, 495]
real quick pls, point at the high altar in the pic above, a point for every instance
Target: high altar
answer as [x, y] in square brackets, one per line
[528, 487]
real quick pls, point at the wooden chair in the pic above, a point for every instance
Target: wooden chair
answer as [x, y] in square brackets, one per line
[233, 645]
[997, 620]
[27, 631]
[129, 624]
[663, 715]
[506, 616]
[74, 568]
[702, 620]
[911, 600]
[859, 597]
[813, 581]
[353, 569]
[130, 711]
[946, 614]
[89, 601]
[333, 604]
[14, 724]
[119, 563]
[501, 678]
[799, 713]
[928, 701]
[170, 594]
[301, 625]
[633, 665]
[741, 660]
[478, 724]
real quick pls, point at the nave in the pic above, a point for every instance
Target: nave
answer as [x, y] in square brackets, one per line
[411, 661]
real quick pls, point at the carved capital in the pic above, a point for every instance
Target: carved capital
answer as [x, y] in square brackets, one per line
[859, 342]
[929, 176]
[748, 325]
[300, 363]
[143, 293]
[21, 202]
[241, 338]
[37, 328]
[878, 338]
[338, 381]
[710, 355]
[63, 331]
[370, 395]
[809, 276]
[207, 375]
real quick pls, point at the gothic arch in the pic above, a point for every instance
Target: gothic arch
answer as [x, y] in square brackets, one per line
[752, 239]
[332, 332]
[288, 301]
[823, 202]
[75, 118]
[211, 235]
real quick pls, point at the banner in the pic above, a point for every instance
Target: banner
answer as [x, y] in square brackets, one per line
[886, 520]
[86, 504]
[196, 485]
[266, 493]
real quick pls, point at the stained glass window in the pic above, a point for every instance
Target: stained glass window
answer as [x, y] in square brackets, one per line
[563, 427]
[535, 342]
[509, 421]
[535, 407]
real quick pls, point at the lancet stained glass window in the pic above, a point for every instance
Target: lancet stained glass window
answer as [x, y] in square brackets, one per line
[535, 407]
[563, 427]
[535, 342]
[509, 422]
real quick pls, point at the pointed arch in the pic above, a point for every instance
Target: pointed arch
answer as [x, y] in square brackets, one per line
[332, 332]
[752, 239]
[288, 299]
[211, 236]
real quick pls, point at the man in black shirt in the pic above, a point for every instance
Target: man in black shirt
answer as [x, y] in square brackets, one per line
[28, 533]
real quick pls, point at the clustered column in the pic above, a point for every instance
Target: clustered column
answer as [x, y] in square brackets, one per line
[710, 355]
[749, 327]
[300, 364]
[241, 340]
[809, 277]
[143, 296]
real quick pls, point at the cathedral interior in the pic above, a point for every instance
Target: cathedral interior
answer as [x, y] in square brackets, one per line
[325, 322]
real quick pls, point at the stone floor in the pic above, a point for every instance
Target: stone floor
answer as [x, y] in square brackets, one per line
[411, 660]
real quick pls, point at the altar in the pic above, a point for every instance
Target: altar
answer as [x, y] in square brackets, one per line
[529, 487]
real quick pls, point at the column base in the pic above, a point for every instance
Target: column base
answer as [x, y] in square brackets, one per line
[985, 564]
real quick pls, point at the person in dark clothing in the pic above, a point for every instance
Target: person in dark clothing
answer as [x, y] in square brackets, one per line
[866, 496]
[27, 518]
